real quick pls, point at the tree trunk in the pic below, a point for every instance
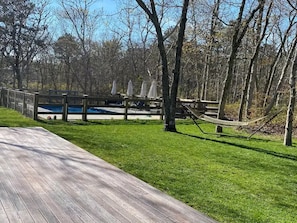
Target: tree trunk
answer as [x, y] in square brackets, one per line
[282, 76]
[177, 67]
[18, 73]
[291, 106]
[272, 70]
[239, 32]
[207, 63]
[169, 97]
[246, 96]
[226, 84]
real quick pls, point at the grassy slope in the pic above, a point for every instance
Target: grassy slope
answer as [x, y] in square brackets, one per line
[230, 179]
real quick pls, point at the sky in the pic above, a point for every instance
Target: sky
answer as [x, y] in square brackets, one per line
[109, 7]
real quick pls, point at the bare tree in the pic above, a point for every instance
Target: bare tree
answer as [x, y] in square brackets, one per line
[292, 100]
[108, 65]
[277, 58]
[66, 50]
[23, 33]
[240, 29]
[210, 43]
[82, 22]
[247, 91]
[282, 77]
[169, 94]
[291, 105]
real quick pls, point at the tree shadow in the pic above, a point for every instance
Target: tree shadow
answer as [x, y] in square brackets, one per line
[260, 150]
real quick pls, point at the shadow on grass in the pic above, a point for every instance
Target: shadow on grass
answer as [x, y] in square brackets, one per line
[265, 151]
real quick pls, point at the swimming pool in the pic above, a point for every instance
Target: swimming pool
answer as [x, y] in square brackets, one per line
[75, 109]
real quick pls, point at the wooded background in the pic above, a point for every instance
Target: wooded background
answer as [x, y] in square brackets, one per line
[75, 45]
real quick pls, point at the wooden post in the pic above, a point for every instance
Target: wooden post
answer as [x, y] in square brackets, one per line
[35, 106]
[15, 99]
[2, 96]
[23, 103]
[126, 109]
[85, 107]
[7, 99]
[65, 108]
[162, 110]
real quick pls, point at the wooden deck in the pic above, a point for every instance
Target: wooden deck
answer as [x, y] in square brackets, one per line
[44, 178]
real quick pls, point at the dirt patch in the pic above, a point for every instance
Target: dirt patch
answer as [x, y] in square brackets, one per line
[268, 129]
[271, 129]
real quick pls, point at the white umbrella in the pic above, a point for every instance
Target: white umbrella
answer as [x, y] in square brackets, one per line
[153, 90]
[114, 88]
[143, 91]
[129, 89]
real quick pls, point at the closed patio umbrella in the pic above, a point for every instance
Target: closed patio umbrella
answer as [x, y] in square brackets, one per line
[114, 88]
[143, 91]
[129, 89]
[153, 90]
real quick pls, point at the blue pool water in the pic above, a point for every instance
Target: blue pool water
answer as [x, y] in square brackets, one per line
[75, 109]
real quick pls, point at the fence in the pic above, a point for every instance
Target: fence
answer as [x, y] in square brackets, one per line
[32, 104]
[20, 101]
[106, 106]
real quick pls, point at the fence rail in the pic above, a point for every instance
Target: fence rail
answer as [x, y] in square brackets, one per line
[20, 101]
[34, 105]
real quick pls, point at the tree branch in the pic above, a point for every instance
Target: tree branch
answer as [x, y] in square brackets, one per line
[290, 3]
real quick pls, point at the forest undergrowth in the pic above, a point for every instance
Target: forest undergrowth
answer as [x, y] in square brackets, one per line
[275, 127]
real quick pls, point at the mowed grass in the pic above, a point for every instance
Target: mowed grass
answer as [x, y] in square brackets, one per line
[230, 179]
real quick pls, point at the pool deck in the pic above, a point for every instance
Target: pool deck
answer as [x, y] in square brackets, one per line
[45, 178]
[73, 117]
[145, 115]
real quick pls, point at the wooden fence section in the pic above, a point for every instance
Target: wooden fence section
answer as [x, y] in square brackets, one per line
[31, 104]
[115, 106]
[20, 101]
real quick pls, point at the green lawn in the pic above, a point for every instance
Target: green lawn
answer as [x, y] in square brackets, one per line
[229, 179]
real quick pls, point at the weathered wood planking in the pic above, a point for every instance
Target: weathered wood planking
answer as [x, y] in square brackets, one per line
[44, 178]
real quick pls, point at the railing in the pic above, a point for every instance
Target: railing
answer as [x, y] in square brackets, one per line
[20, 101]
[30, 105]
[125, 106]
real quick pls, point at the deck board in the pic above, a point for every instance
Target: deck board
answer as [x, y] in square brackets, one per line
[45, 178]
